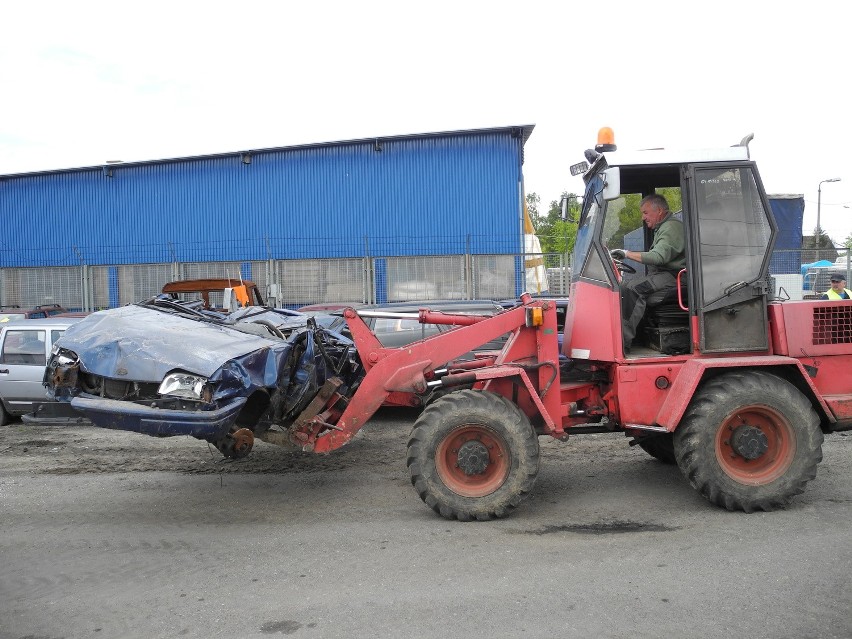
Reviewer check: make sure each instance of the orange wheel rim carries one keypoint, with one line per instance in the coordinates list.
(473, 461)
(755, 445)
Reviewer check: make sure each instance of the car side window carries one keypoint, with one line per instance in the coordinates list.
(55, 335)
(561, 313)
(24, 347)
(393, 325)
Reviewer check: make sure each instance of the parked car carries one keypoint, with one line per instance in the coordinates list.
(17, 313)
(396, 324)
(327, 307)
(561, 312)
(24, 348)
(561, 307)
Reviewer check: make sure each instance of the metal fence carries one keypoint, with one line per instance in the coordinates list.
(806, 273)
(797, 274)
(287, 283)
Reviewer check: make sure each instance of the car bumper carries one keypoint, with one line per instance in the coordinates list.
(159, 422)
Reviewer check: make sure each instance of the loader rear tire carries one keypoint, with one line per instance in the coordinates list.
(660, 447)
(749, 441)
(472, 455)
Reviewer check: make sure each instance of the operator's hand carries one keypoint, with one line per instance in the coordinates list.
(618, 254)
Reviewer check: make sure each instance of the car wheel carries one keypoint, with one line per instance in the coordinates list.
(5, 418)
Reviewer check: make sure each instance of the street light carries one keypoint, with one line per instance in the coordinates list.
(819, 202)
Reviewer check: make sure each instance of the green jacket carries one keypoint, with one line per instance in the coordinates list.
(667, 249)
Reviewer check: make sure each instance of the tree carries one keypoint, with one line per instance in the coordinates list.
(555, 234)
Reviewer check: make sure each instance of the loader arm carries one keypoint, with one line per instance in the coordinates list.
(405, 369)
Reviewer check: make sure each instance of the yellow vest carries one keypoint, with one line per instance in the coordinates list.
(836, 296)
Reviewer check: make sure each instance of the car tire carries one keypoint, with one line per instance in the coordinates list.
(5, 418)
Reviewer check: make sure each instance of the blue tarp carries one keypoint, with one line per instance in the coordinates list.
(788, 211)
(806, 283)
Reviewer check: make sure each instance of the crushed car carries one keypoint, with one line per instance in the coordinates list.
(165, 367)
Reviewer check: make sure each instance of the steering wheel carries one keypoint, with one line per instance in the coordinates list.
(620, 265)
(623, 267)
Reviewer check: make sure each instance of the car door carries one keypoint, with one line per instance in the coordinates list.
(23, 356)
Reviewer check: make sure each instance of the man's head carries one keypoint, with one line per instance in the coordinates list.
(654, 208)
(838, 282)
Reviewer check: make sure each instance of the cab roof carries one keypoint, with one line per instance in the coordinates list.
(675, 156)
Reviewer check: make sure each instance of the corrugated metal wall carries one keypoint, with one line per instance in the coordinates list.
(411, 195)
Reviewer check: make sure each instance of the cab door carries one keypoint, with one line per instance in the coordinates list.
(732, 240)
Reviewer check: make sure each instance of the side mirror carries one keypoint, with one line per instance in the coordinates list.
(612, 183)
(565, 205)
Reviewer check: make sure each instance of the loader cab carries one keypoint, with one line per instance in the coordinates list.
(729, 233)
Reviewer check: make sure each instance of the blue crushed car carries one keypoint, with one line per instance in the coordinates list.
(165, 367)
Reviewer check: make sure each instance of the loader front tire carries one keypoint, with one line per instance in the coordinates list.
(472, 455)
(749, 441)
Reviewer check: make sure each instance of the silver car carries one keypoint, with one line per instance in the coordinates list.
(24, 348)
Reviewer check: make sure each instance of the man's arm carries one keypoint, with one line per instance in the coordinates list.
(668, 244)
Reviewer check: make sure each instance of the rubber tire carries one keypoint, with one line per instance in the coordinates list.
(660, 447)
(695, 440)
(442, 392)
(5, 418)
(479, 409)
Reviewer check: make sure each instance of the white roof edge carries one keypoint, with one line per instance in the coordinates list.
(676, 156)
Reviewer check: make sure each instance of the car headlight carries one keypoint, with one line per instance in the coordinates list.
(182, 385)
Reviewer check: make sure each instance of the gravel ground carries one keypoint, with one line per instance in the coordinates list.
(113, 534)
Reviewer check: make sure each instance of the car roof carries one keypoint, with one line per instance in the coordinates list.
(43, 322)
(514, 301)
(324, 307)
(435, 305)
(206, 284)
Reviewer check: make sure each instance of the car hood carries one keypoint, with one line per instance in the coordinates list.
(143, 344)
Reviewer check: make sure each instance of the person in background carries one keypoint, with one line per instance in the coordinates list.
(838, 290)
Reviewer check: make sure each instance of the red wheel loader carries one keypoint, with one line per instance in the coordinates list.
(735, 387)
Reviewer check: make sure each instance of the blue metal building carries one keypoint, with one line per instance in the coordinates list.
(439, 193)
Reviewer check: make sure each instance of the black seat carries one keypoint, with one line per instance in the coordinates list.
(666, 323)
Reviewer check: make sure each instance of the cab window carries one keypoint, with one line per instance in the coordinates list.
(734, 229)
(623, 226)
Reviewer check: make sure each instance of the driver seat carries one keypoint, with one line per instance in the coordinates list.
(666, 323)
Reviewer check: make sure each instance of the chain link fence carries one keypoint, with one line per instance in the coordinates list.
(289, 283)
(802, 274)
(797, 274)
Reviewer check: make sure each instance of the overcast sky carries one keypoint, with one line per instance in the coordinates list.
(85, 82)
